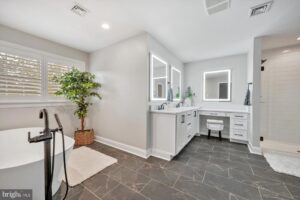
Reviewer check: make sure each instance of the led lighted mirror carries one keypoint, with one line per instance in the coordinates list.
(176, 83)
(217, 85)
(159, 78)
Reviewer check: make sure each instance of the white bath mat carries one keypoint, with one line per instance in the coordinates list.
(85, 162)
(284, 163)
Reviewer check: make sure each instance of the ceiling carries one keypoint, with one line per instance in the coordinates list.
(181, 25)
(278, 41)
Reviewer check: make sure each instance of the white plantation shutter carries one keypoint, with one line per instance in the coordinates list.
(55, 70)
(19, 75)
(26, 75)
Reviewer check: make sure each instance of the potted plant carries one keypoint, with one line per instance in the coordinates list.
(79, 87)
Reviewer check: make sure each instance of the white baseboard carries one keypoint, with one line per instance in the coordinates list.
(161, 154)
(124, 147)
(254, 150)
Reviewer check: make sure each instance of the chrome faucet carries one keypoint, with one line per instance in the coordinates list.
(162, 106)
(178, 105)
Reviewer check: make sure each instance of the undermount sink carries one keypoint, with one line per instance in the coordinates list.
(175, 110)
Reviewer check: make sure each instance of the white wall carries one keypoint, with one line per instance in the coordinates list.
(18, 37)
(122, 69)
(27, 115)
(280, 95)
(238, 65)
(254, 75)
(11, 118)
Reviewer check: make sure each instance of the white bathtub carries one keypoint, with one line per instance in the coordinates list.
(22, 164)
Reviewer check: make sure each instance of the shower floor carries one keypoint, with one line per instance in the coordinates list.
(271, 145)
(204, 170)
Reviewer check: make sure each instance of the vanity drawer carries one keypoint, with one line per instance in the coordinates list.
(238, 134)
(211, 113)
(239, 124)
(240, 116)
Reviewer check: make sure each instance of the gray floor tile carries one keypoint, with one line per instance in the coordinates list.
(209, 167)
(181, 158)
(278, 188)
(204, 170)
(267, 195)
(75, 193)
(109, 170)
(232, 186)
(132, 163)
(135, 181)
(294, 190)
(269, 173)
(121, 192)
(200, 190)
(162, 175)
(227, 164)
(185, 170)
(217, 154)
(157, 191)
(85, 195)
(199, 155)
(100, 184)
(249, 178)
(236, 197)
(156, 161)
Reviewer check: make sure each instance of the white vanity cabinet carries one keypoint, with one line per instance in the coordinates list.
(238, 131)
(171, 131)
(239, 127)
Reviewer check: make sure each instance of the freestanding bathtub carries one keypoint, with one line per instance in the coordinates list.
(22, 163)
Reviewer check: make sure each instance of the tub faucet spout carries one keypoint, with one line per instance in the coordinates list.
(44, 114)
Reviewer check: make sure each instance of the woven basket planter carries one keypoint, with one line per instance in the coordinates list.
(84, 137)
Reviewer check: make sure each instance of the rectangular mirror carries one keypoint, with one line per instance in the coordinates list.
(217, 85)
(176, 83)
(159, 78)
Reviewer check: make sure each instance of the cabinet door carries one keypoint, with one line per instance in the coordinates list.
(195, 122)
(180, 132)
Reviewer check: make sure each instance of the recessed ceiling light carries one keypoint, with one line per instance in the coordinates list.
(298, 38)
(286, 51)
(105, 26)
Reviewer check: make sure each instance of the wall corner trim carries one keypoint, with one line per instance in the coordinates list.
(254, 149)
(124, 147)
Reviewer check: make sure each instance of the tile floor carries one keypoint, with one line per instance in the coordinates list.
(204, 170)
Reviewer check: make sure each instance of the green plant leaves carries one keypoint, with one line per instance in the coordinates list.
(78, 87)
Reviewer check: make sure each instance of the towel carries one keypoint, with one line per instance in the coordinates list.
(170, 94)
(247, 98)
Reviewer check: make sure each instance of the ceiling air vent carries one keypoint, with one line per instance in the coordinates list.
(260, 9)
(79, 10)
(214, 6)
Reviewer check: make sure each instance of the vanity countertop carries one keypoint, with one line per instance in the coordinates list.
(176, 110)
(224, 110)
(185, 109)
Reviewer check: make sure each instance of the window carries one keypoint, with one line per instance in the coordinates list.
(26, 75)
(54, 69)
(19, 75)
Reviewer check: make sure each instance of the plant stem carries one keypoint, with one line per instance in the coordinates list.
(82, 123)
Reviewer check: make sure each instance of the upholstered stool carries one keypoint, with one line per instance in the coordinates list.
(215, 125)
